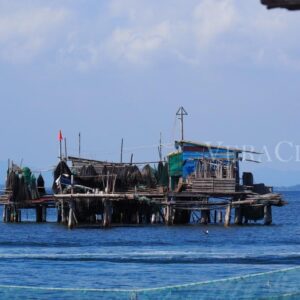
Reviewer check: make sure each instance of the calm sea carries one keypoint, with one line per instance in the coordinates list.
(50, 256)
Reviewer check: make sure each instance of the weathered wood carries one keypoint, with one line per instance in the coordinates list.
(238, 219)
(227, 216)
(267, 214)
(107, 213)
(169, 214)
(220, 217)
(38, 215)
(5, 213)
(205, 216)
(19, 216)
(70, 219)
(58, 212)
(44, 213)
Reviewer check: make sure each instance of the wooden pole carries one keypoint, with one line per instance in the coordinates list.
(267, 214)
(107, 213)
(38, 210)
(238, 219)
(79, 144)
(215, 216)
(63, 213)
(220, 217)
(44, 213)
(227, 216)
(71, 215)
(58, 210)
(121, 158)
(5, 213)
(204, 216)
(66, 153)
(19, 215)
(70, 221)
(169, 214)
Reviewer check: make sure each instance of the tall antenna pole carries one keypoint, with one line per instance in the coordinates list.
(79, 144)
(121, 158)
(181, 113)
(160, 148)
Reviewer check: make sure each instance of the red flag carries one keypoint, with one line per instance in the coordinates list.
(60, 137)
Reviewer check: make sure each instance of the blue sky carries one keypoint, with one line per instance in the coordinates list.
(121, 68)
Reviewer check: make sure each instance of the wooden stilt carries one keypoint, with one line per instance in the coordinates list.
(71, 216)
(267, 214)
(227, 216)
(153, 217)
(215, 216)
(44, 213)
(63, 213)
(238, 216)
(5, 213)
(220, 216)
(58, 211)
(204, 216)
(169, 214)
(39, 217)
(8, 214)
(19, 215)
(107, 213)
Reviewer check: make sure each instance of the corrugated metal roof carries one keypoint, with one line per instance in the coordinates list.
(201, 144)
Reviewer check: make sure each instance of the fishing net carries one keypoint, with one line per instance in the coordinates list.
(280, 284)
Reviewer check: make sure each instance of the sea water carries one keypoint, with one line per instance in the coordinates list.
(152, 262)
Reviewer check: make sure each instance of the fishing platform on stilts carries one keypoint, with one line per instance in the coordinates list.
(198, 183)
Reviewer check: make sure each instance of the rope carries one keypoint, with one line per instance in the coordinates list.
(156, 289)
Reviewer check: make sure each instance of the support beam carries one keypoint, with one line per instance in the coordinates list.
(19, 216)
(267, 214)
(238, 218)
(169, 214)
(220, 216)
(107, 206)
(44, 213)
(205, 216)
(58, 211)
(227, 216)
(4, 213)
(63, 213)
(71, 219)
(38, 215)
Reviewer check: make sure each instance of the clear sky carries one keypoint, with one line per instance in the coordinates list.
(121, 68)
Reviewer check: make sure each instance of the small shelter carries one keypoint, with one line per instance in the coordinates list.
(204, 167)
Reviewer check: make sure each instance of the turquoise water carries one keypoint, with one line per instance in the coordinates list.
(49, 261)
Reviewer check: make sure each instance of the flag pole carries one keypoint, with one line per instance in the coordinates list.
(60, 146)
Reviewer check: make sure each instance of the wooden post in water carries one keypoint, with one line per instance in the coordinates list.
(44, 213)
(220, 217)
(8, 214)
(267, 214)
(38, 215)
(58, 211)
(19, 215)
(238, 218)
(63, 213)
(227, 216)
(204, 216)
(107, 213)
(5, 213)
(169, 214)
(71, 216)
